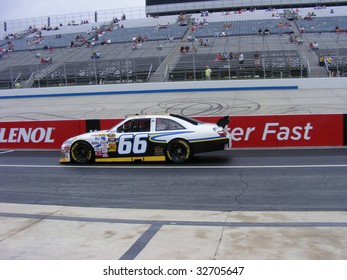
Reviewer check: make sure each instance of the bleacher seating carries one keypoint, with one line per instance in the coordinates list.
(67, 29)
(321, 11)
(148, 21)
(120, 57)
(235, 16)
(109, 71)
(153, 33)
(242, 28)
(3, 43)
(323, 24)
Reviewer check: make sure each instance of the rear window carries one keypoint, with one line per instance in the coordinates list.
(187, 119)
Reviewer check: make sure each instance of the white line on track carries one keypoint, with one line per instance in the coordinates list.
(6, 152)
(176, 167)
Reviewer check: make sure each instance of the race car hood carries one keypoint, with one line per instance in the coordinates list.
(93, 134)
(88, 135)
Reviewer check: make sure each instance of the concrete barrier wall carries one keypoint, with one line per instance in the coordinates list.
(275, 131)
(229, 85)
(247, 131)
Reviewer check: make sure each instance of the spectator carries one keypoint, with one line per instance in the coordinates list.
(329, 60)
(10, 47)
(46, 60)
(321, 60)
(218, 57)
(207, 43)
(95, 54)
(241, 61)
(225, 56)
(315, 46)
(208, 73)
(310, 46)
(257, 59)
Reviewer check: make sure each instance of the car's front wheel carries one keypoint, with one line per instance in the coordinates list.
(82, 152)
(178, 151)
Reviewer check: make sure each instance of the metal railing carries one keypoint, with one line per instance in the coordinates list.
(227, 70)
(16, 80)
(30, 80)
(96, 72)
(126, 71)
(149, 72)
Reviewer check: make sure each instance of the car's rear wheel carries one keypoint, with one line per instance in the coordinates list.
(82, 152)
(178, 151)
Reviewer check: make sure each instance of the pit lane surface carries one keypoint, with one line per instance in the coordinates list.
(222, 205)
(221, 181)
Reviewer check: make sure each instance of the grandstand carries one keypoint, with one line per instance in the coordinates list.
(178, 47)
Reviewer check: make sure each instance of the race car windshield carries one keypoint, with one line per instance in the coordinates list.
(187, 119)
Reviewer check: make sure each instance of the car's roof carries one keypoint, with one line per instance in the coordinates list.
(176, 116)
(147, 116)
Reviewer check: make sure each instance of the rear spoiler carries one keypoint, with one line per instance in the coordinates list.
(223, 122)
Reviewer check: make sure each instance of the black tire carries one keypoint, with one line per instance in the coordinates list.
(82, 152)
(178, 151)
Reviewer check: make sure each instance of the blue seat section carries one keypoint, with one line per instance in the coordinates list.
(323, 24)
(2, 43)
(125, 35)
(51, 41)
(243, 28)
(119, 35)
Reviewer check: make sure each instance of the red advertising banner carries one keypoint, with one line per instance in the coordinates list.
(109, 123)
(38, 134)
(287, 131)
(246, 131)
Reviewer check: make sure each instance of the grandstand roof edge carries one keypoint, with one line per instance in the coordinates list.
(68, 14)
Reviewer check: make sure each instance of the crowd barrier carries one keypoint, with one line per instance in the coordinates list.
(275, 131)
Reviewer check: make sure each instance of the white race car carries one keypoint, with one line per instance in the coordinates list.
(148, 138)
